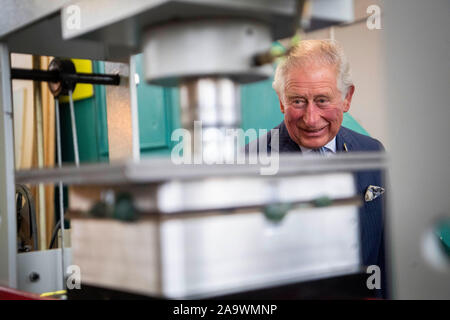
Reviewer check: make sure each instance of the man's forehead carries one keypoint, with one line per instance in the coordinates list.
(312, 73)
(314, 77)
(293, 86)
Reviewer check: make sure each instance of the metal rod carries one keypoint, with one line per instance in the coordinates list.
(74, 130)
(92, 78)
(157, 170)
(60, 188)
(36, 75)
(55, 76)
(269, 57)
(37, 97)
(134, 110)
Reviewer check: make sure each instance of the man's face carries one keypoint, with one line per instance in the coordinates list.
(313, 106)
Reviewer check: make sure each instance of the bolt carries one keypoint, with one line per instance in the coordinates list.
(34, 277)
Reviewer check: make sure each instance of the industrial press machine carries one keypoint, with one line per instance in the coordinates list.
(157, 228)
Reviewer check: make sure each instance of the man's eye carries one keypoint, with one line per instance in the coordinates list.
(322, 101)
(298, 101)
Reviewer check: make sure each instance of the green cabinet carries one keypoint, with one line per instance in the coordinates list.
(158, 110)
(158, 117)
(91, 123)
(260, 106)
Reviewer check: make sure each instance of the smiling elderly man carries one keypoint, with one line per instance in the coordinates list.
(315, 88)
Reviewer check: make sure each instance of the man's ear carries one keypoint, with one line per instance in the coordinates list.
(348, 98)
(281, 106)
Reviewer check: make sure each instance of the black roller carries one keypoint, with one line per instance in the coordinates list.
(62, 86)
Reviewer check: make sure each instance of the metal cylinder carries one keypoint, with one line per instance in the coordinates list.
(205, 48)
(211, 113)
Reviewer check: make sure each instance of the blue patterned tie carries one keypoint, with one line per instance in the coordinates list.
(320, 151)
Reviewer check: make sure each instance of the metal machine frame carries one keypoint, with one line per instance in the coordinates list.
(408, 177)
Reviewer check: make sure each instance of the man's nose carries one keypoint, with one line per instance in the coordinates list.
(311, 115)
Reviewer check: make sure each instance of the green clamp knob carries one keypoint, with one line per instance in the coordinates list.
(124, 209)
(100, 210)
(276, 212)
(323, 202)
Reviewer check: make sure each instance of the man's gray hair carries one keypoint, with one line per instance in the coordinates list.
(327, 52)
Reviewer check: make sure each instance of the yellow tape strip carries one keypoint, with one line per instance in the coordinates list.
(47, 294)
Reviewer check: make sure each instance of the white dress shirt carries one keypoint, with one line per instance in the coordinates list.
(329, 148)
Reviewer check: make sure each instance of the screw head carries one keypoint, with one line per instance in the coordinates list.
(34, 277)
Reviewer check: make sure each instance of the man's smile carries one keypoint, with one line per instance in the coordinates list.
(314, 132)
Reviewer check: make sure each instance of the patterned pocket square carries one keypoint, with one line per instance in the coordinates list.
(373, 192)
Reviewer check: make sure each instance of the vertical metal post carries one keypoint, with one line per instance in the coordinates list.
(8, 224)
(60, 189)
(37, 95)
(134, 110)
(74, 130)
